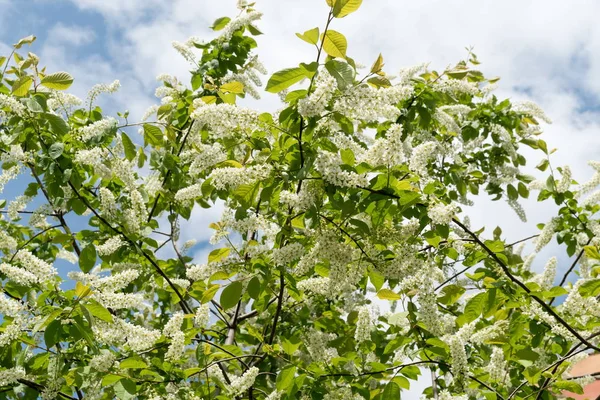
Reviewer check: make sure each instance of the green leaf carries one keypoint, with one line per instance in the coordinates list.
(377, 65)
(209, 294)
(231, 295)
(128, 146)
(592, 252)
(21, 86)
(284, 79)
(391, 392)
(590, 288)
(26, 40)
(110, 379)
(254, 288)
(474, 307)
(133, 363)
(220, 23)
(387, 294)
(290, 345)
(310, 36)
(233, 87)
(335, 44)
(379, 82)
(57, 124)
(451, 294)
(153, 135)
(56, 149)
(125, 389)
(285, 378)
(87, 259)
(98, 311)
(342, 72)
(218, 254)
(568, 385)
(52, 333)
(57, 81)
(341, 8)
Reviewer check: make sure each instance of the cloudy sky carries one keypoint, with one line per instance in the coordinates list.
(547, 51)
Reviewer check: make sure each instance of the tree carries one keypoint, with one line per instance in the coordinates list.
(359, 185)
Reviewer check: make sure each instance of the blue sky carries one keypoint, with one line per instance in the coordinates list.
(546, 51)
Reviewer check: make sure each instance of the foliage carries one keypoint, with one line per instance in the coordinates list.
(359, 185)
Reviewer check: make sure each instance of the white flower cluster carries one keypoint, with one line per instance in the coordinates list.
(202, 315)
(518, 209)
(189, 193)
(67, 255)
(110, 246)
(7, 242)
(420, 157)
(96, 90)
(231, 177)
(12, 104)
(12, 331)
(446, 121)
(108, 204)
(38, 267)
(11, 375)
(363, 325)
(120, 332)
(315, 104)
(224, 120)
(303, 200)
(287, 254)
(446, 395)
(328, 164)
(206, 156)
(10, 307)
(136, 215)
(593, 182)
(97, 129)
(370, 104)
(237, 23)
(497, 365)
(565, 181)
(440, 213)
(546, 279)
(316, 343)
(59, 99)
(388, 151)
(456, 86)
(103, 361)
(490, 332)
(242, 383)
(200, 272)
(545, 235)
(406, 74)
(17, 205)
(8, 175)
(529, 107)
(94, 157)
(459, 361)
(186, 51)
(321, 286)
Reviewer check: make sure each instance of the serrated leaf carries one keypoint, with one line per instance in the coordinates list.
(285, 378)
(377, 65)
(209, 294)
(387, 294)
(341, 8)
(57, 125)
(590, 288)
(342, 72)
(128, 146)
(310, 36)
(87, 259)
(58, 81)
(391, 392)
(133, 363)
(335, 44)
(21, 86)
(218, 254)
(56, 150)
(153, 135)
(474, 307)
(26, 40)
(233, 87)
(98, 310)
(231, 295)
(284, 79)
(379, 82)
(220, 23)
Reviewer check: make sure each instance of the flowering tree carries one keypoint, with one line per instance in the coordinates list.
(352, 197)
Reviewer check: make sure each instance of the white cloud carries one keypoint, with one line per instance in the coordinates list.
(70, 35)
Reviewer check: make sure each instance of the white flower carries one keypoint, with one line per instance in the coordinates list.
(440, 213)
(235, 24)
(103, 361)
(12, 104)
(102, 88)
(545, 235)
(315, 104)
(242, 383)
(497, 366)
(529, 107)
(97, 128)
(67, 255)
(420, 157)
(363, 325)
(202, 315)
(110, 246)
(12, 375)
